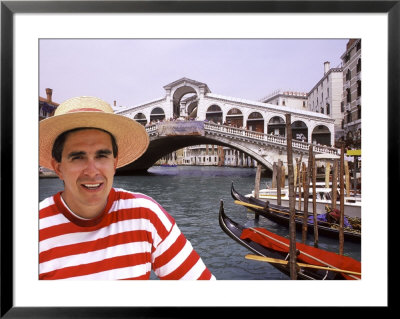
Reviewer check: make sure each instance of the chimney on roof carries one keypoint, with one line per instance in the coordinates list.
(327, 66)
(49, 93)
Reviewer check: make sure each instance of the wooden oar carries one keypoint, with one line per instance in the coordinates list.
(247, 204)
(238, 202)
(285, 262)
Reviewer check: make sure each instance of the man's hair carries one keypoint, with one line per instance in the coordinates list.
(58, 145)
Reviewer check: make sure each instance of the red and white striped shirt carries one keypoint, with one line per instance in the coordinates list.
(132, 236)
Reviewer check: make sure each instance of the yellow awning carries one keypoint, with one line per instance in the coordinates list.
(354, 152)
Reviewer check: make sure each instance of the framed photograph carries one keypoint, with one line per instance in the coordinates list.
(24, 23)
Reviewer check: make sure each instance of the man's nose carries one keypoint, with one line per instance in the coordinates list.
(91, 167)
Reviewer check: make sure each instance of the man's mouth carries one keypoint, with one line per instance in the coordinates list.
(92, 186)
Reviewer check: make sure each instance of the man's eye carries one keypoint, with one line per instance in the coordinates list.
(77, 157)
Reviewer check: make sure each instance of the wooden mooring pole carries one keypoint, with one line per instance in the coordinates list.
(306, 195)
(314, 181)
(274, 171)
(327, 173)
(257, 181)
(295, 177)
(334, 183)
(300, 172)
(283, 175)
(346, 171)
(278, 182)
(292, 224)
(341, 235)
(257, 186)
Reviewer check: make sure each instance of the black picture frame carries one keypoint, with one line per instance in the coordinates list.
(9, 8)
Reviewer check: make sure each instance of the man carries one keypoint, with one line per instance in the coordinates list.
(91, 230)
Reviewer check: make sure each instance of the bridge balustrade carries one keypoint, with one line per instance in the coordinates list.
(268, 138)
(152, 129)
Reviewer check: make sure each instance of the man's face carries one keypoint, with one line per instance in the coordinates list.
(87, 168)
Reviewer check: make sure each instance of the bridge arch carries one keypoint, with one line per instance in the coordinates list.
(214, 113)
(276, 126)
(234, 117)
(157, 114)
(191, 106)
(178, 94)
(159, 148)
(236, 145)
(255, 122)
(141, 118)
(170, 136)
(321, 135)
(299, 131)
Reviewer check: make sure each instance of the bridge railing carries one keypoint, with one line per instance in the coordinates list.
(269, 138)
(152, 129)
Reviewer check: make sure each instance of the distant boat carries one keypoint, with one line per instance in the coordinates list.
(168, 165)
(352, 204)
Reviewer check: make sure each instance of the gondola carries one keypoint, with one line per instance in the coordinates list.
(280, 215)
(236, 232)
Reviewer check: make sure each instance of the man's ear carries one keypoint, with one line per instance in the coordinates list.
(56, 168)
(115, 163)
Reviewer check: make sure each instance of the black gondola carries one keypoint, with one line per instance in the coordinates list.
(280, 215)
(234, 230)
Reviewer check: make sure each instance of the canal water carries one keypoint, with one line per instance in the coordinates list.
(192, 195)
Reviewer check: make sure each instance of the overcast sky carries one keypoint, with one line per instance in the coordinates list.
(134, 71)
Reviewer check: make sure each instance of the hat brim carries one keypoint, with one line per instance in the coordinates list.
(131, 137)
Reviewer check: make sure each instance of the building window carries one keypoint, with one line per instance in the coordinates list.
(328, 109)
(348, 75)
(359, 66)
(358, 88)
(348, 94)
(342, 107)
(359, 112)
(348, 117)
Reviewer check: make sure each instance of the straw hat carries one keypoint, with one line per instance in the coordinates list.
(87, 111)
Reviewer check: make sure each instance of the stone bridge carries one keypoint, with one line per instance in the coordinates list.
(169, 136)
(185, 117)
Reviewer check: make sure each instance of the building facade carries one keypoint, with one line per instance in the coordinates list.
(213, 155)
(326, 97)
(351, 103)
(46, 105)
(297, 100)
(204, 155)
(337, 94)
